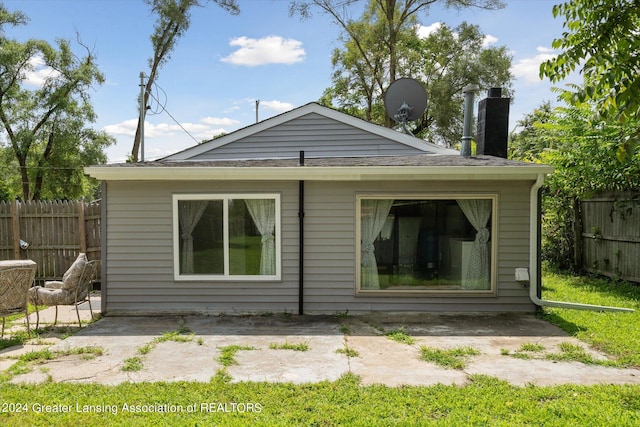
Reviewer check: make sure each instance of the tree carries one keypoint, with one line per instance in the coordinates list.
(445, 61)
(172, 22)
(396, 13)
(601, 39)
(44, 127)
(448, 60)
(359, 80)
(528, 143)
(581, 146)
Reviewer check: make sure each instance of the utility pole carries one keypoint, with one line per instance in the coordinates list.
(143, 111)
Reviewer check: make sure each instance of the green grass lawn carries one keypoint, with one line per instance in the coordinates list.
(244, 257)
(484, 401)
(617, 334)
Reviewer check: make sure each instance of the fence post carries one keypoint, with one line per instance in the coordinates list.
(577, 235)
(81, 228)
(15, 225)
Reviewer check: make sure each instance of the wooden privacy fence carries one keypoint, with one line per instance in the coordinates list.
(55, 231)
(610, 236)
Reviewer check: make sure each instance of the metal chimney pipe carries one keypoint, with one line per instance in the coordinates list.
(469, 92)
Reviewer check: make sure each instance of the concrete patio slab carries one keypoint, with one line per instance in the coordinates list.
(337, 345)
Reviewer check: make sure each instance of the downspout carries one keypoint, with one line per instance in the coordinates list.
(535, 287)
(301, 241)
(103, 247)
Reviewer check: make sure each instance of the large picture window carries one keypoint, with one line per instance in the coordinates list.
(426, 244)
(231, 237)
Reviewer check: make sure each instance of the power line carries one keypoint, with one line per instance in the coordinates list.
(160, 106)
(164, 109)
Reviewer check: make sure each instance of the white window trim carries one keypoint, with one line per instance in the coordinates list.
(225, 197)
(492, 292)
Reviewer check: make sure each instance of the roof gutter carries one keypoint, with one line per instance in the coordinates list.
(534, 261)
(314, 173)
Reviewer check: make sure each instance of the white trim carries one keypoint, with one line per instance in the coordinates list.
(317, 173)
(226, 277)
(492, 292)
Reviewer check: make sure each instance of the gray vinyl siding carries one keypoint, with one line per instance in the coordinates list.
(139, 251)
(318, 136)
(140, 254)
(330, 249)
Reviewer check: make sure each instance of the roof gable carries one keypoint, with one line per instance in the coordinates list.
(315, 129)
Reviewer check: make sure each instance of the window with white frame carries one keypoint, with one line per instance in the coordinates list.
(439, 244)
(226, 236)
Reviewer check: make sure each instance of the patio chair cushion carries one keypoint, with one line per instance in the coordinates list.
(72, 275)
(43, 296)
(61, 293)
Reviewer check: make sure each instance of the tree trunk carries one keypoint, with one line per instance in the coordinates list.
(167, 36)
(37, 190)
(26, 192)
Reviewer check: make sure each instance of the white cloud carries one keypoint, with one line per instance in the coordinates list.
(425, 31)
(528, 69)
(267, 50)
(219, 121)
(489, 40)
(207, 128)
(128, 127)
(39, 72)
(277, 106)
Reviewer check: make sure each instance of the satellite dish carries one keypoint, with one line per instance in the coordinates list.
(405, 101)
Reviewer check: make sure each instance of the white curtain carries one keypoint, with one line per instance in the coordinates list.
(478, 212)
(189, 213)
(263, 213)
(373, 215)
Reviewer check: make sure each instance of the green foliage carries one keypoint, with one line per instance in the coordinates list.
(27, 360)
(383, 45)
(617, 334)
(47, 141)
(15, 339)
(181, 335)
(228, 354)
(601, 39)
(483, 401)
(399, 335)
(447, 60)
(583, 149)
(525, 351)
(453, 358)
(173, 18)
(301, 346)
(531, 347)
(348, 351)
(572, 352)
(132, 364)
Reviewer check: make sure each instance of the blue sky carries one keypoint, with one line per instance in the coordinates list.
(225, 63)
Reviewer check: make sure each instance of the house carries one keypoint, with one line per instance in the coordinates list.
(314, 211)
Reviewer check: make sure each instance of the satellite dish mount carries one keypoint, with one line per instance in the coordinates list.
(405, 101)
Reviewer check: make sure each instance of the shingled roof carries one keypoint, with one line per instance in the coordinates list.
(426, 160)
(409, 158)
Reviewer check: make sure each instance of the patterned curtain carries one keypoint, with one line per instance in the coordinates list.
(478, 212)
(373, 216)
(263, 213)
(189, 213)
